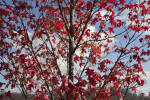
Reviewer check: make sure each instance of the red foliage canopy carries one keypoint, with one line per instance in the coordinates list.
(79, 49)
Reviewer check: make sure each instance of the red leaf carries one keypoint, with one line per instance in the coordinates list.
(65, 32)
(30, 86)
(118, 93)
(89, 4)
(54, 80)
(141, 39)
(22, 58)
(59, 25)
(135, 57)
(148, 2)
(136, 48)
(125, 36)
(44, 26)
(102, 4)
(81, 64)
(111, 30)
(76, 58)
(45, 97)
(77, 95)
(15, 17)
(95, 20)
(76, 77)
(1, 84)
(122, 2)
(128, 79)
(24, 14)
(87, 32)
(134, 89)
(10, 7)
(142, 94)
(54, 41)
(8, 94)
(128, 71)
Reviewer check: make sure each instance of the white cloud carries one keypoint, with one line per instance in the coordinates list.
(139, 1)
(15, 90)
(92, 28)
(30, 34)
(147, 77)
(103, 12)
(146, 88)
(62, 65)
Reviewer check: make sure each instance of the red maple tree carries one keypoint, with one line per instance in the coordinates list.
(73, 49)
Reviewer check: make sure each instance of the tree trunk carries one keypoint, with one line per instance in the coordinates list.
(71, 42)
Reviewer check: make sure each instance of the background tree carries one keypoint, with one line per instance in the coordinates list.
(129, 96)
(60, 49)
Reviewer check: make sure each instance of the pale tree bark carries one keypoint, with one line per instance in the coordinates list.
(71, 41)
